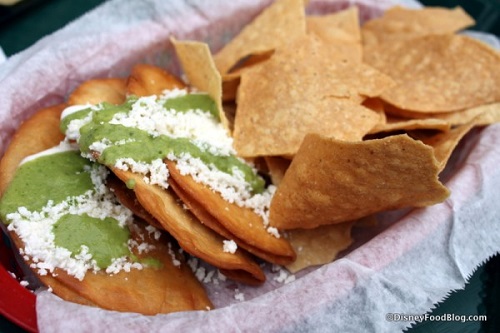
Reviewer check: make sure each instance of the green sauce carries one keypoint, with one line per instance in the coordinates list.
(56, 177)
(141, 146)
(151, 262)
(104, 238)
(81, 114)
(193, 102)
(51, 177)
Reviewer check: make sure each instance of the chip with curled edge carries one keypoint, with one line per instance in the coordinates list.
(282, 20)
(438, 73)
(405, 23)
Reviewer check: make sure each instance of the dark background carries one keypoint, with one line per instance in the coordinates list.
(23, 24)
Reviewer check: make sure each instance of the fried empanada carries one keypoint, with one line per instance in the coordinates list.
(160, 288)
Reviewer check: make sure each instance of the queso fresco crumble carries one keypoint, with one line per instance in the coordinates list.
(130, 137)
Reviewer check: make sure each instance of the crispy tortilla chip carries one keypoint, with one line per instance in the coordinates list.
(277, 167)
(340, 30)
(444, 143)
(194, 237)
(231, 80)
(201, 72)
(438, 73)
(244, 223)
(376, 104)
(278, 105)
(332, 181)
(111, 90)
(481, 115)
(278, 23)
(173, 288)
(405, 23)
(398, 124)
(343, 25)
(320, 245)
(146, 80)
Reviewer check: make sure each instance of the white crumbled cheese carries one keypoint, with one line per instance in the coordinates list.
(273, 231)
(149, 114)
(73, 130)
(156, 172)
(24, 283)
(173, 93)
(35, 229)
(200, 273)
(233, 188)
(239, 296)
(122, 264)
(283, 275)
(205, 274)
(142, 247)
(209, 276)
(155, 233)
(193, 264)
(171, 252)
(229, 246)
(202, 129)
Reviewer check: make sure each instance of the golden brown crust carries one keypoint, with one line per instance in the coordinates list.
(194, 237)
(111, 90)
(244, 223)
(147, 291)
(145, 80)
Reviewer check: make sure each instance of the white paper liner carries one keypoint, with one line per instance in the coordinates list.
(406, 268)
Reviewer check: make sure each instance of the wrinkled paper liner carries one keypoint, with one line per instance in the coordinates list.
(402, 267)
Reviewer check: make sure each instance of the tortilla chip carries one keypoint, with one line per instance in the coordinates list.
(146, 80)
(244, 223)
(343, 25)
(320, 245)
(376, 104)
(275, 25)
(231, 80)
(340, 30)
(277, 167)
(198, 65)
(481, 115)
(94, 91)
(278, 105)
(438, 73)
(400, 124)
(332, 181)
(443, 143)
(405, 23)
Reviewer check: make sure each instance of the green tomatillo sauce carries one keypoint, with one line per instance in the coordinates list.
(49, 180)
(142, 146)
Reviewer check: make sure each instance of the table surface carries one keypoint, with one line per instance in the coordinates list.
(24, 24)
